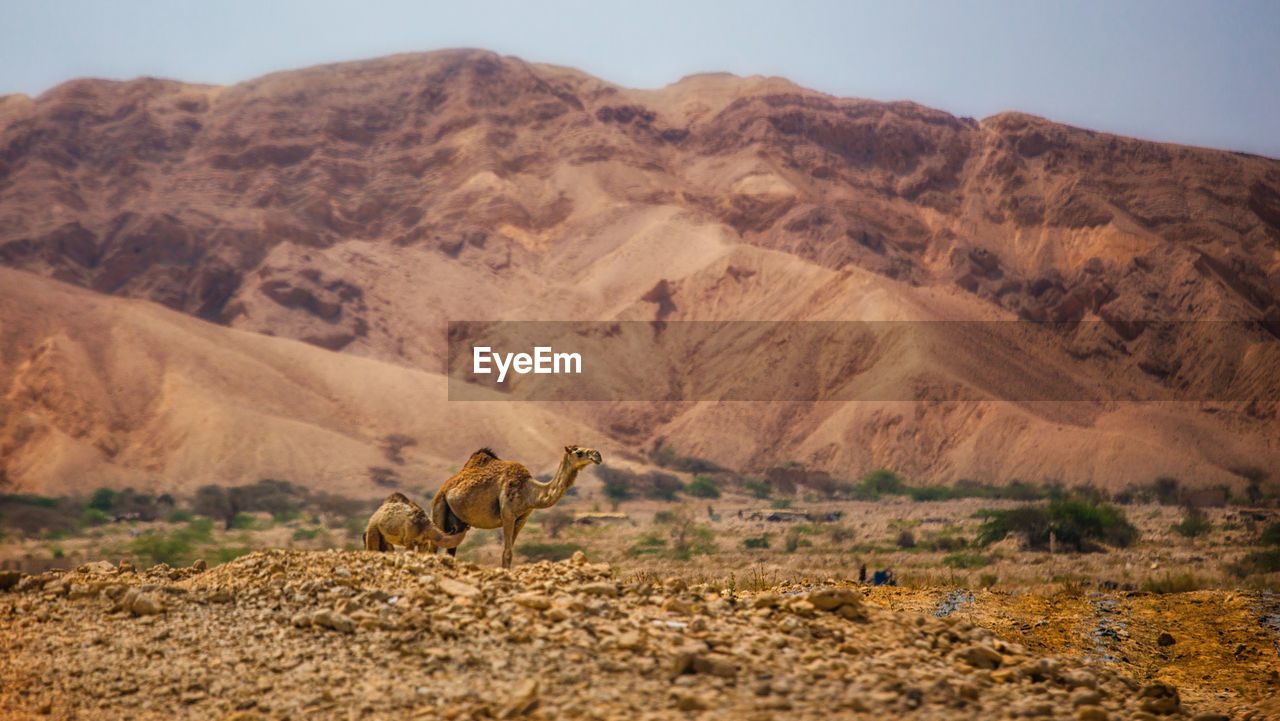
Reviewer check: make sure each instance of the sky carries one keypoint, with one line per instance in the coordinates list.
(1200, 73)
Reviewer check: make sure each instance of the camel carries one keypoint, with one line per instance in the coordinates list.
(402, 522)
(492, 493)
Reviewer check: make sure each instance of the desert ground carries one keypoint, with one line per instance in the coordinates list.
(656, 610)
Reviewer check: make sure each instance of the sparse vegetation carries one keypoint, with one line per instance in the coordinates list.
(1194, 523)
(556, 520)
(702, 486)
(906, 539)
(1073, 524)
(1174, 583)
(547, 551)
(965, 560)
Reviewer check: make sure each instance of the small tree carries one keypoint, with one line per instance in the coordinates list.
(702, 487)
(883, 482)
(1167, 491)
(102, 499)
(215, 502)
(906, 539)
(662, 486)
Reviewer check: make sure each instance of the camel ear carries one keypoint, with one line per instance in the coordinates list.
(568, 449)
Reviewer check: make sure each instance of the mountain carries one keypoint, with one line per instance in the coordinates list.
(351, 210)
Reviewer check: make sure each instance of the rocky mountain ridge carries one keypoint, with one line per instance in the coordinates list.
(358, 207)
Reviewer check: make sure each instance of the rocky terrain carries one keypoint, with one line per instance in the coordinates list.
(355, 208)
(285, 634)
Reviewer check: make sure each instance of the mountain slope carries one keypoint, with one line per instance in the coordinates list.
(360, 206)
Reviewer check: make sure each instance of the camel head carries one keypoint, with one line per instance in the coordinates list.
(581, 457)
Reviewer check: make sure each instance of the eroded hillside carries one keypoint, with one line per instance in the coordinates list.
(358, 207)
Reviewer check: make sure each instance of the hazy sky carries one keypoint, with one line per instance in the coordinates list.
(1204, 73)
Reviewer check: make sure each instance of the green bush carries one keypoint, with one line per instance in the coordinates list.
(965, 560)
(1257, 562)
(759, 489)
(547, 551)
(180, 516)
(28, 499)
(305, 534)
(933, 493)
(1075, 524)
(882, 482)
(661, 486)
(761, 541)
(702, 487)
(101, 499)
(651, 540)
(174, 550)
(94, 517)
(1193, 524)
(243, 521)
(1170, 583)
(1270, 535)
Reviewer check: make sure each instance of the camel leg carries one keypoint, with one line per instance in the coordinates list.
(440, 515)
(373, 539)
(508, 537)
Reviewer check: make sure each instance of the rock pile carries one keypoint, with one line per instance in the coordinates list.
(289, 634)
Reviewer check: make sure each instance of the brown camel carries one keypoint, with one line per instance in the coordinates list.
(492, 493)
(402, 522)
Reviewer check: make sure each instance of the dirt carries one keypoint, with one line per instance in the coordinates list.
(333, 634)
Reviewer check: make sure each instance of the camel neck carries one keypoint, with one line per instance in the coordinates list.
(548, 494)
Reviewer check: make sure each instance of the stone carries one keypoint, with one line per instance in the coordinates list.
(1092, 713)
(141, 604)
(222, 595)
(632, 641)
(536, 601)
(82, 590)
(677, 605)
(578, 559)
(302, 619)
(715, 664)
(675, 584)
(458, 589)
(598, 589)
(1159, 698)
(97, 568)
(980, 656)
(9, 579)
(334, 620)
(1085, 697)
(801, 607)
(830, 599)
(686, 701)
(522, 701)
(1165, 639)
(766, 599)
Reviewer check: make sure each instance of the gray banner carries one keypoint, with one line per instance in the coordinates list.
(861, 360)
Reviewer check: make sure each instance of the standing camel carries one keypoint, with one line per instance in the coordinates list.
(492, 493)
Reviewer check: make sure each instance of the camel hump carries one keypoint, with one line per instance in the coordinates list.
(484, 455)
(398, 497)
